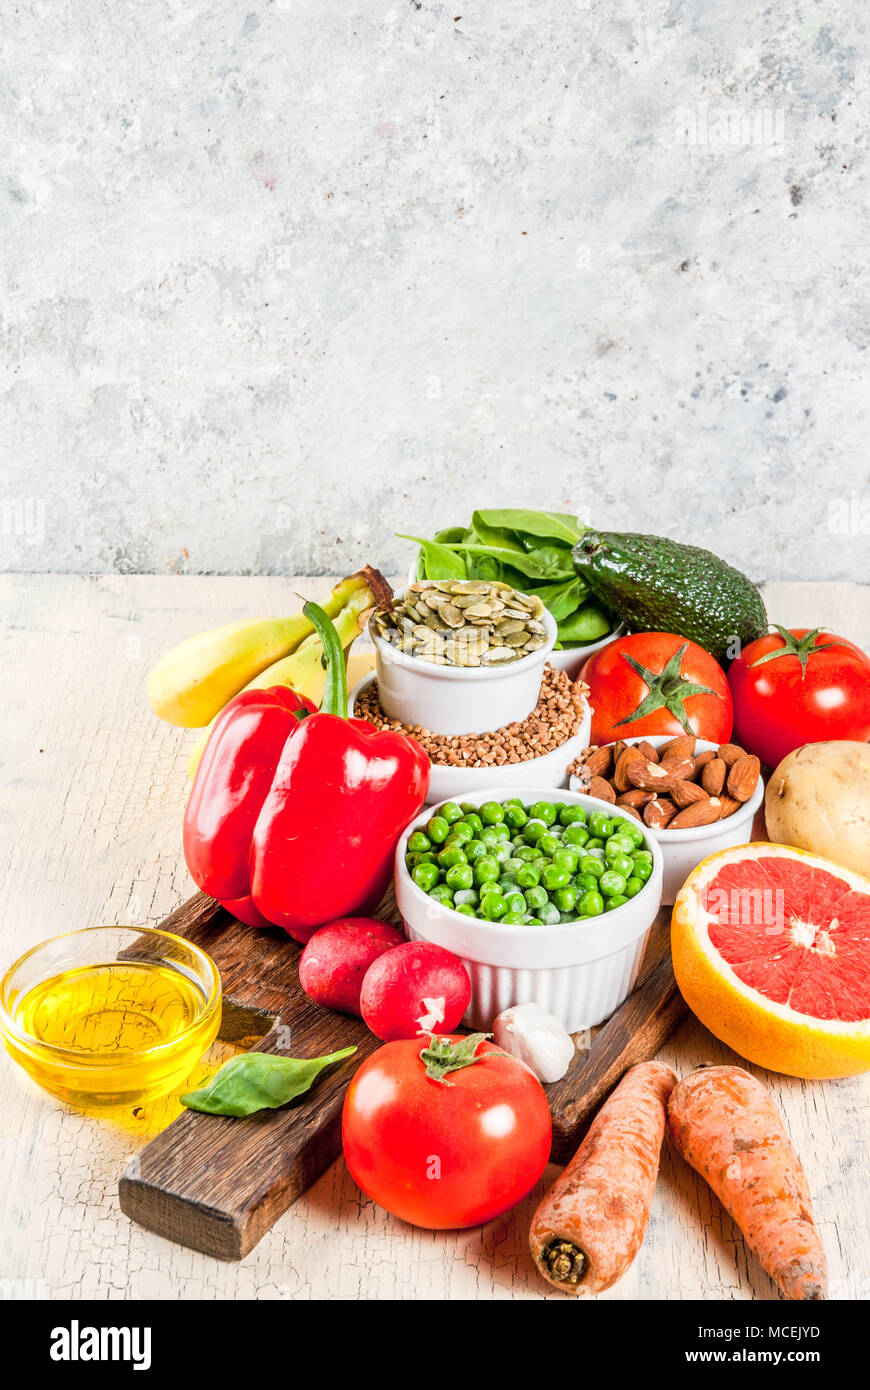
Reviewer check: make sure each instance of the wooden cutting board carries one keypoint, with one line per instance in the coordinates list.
(217, 1184)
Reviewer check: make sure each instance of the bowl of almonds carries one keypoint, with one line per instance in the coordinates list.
(461, 656)
(695, 797)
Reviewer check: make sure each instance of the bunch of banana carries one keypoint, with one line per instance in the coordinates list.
(190, 685)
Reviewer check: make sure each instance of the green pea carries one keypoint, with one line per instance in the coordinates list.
(419, 843)
(569, 857)
(515, 902)
(515, 817)
(473, 819)
(448, 857)
(591, 904)
(507, 883)
(468, 808)
(633, 886)
(502, 833)
(590, 865)
(488, 835)
(486, 870)
(411, 860)
(462, 832)
(618, 844)
(622, 864)
(450, 812)
(527, 853)
(491, 813)
(533, 831)
(501, 852)
(493, 907)
(425, 876)
(513, 863)
(460, 876)
(466, 897)
(513, 919)
(438, 829)
(565, 899)
(593, 843)
(548, 844)
(636, 835)
(571, 814)
(599, 824)
(535, 898)
(528, 876)
(442, 894)
(611, 884)
(576, 834)
(543, 810)
(642, 869)
(550, 914)
(555, 876)
(466, 909)
(534, 922)
(583, 883)
(474, 849)
(616, 901)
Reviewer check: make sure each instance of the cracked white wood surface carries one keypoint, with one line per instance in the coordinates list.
(93, 789)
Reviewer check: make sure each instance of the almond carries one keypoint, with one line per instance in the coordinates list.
(678, 768)
(634, 798)
(603, 790)
(650, 753)
(598, 761)
(702, 759)
(683, 746)
(650, 777)
(743, 777)
(630, 755)
(631, 811)
(730, 752)
(619, 748)
(713, 776)
(727, 806)
(687, 793)
(658, 812)
(701, 813)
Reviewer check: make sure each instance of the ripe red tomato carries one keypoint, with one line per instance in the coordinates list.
(449, 1153)
(657, 683)
(803, 686)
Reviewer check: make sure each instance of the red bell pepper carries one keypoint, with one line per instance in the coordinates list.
(294, 815)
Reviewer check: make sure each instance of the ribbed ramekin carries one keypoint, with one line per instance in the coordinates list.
(579, 971)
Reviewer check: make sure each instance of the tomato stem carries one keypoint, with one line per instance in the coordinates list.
(441, 1055)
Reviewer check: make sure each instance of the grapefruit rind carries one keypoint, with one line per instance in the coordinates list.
(758, 1028)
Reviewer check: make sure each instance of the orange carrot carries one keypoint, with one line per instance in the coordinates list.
(589, 1227)
(726, 1126)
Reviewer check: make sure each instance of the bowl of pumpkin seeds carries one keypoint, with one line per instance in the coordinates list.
(461, 656)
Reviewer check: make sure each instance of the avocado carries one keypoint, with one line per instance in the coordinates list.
(659, 585)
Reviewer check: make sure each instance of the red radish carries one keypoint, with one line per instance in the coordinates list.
(335, 960)
(415, 988)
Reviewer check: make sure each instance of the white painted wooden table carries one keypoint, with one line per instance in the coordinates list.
(93, 789)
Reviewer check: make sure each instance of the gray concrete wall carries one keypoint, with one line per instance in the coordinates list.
(283, 280)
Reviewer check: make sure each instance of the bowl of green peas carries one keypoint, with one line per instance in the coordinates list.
(545, 897)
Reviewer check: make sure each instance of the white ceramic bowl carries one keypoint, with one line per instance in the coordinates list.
(569, 660)
(683, 850)
(455, 783)
(459, 699)
(579, 971)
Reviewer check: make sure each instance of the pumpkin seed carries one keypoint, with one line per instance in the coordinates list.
(463, 622)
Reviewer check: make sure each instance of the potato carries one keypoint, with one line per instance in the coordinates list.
(819, 799)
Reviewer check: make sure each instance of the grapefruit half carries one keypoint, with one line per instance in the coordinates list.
(771, 951)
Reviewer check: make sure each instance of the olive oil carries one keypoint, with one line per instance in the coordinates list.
(102, 1035)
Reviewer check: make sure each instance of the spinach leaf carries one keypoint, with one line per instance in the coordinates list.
(486, 534)
(439, 561)
(259, 1081)
(586, 625)
(551, 562)
(563, 599)
(554, 526)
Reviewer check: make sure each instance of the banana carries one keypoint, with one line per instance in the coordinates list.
(303, 670)
(190, 685)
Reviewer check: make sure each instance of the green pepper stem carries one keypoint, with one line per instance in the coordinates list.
(335, 691)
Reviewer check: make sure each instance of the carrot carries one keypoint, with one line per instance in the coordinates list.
(589, 1227)
(726, 1126)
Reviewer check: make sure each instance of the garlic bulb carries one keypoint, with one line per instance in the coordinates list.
(537, 1038)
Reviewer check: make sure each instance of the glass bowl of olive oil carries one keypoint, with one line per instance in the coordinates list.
(110, 1016)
